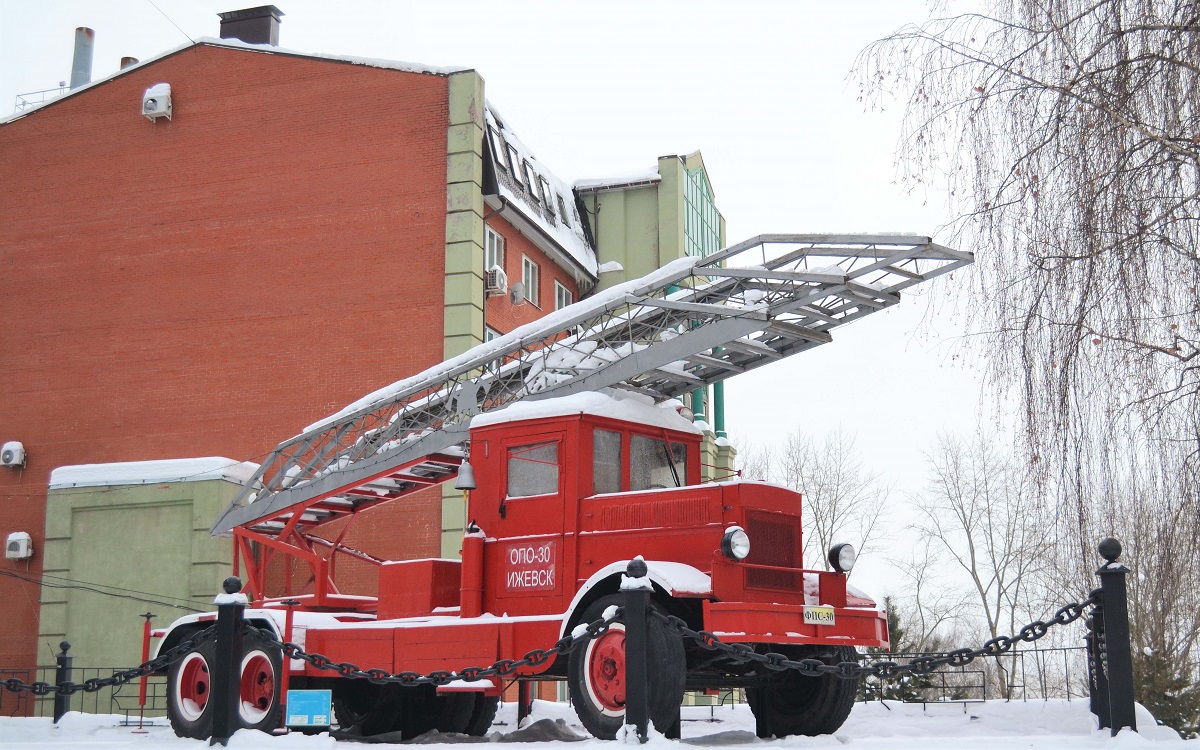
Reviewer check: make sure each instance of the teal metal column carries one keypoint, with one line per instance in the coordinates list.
(719, 403)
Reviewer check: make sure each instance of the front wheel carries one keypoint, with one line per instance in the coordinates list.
(596, 674)
(793, 703)
(260, 682)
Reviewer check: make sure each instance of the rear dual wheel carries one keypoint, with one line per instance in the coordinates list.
(793, 703)
(190, 687)
(411, 711)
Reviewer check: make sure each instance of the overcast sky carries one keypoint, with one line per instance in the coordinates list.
(603, 89)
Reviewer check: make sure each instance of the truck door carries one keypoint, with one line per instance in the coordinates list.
(529, 547)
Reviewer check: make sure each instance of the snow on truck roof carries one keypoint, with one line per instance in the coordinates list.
(628, 407)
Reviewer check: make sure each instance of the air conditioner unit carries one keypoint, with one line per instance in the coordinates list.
(19, 546)
(497, 281)
(12, 455)
(156, 102)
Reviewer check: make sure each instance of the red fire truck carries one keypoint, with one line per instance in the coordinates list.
(580, 459)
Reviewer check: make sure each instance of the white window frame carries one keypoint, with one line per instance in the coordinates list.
(493, 249)
(531, 277)
(562, 295)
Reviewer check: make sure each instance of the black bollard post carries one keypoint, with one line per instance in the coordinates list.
(635, 590)
(1118, 662)
(62, 674)
(1097, 679)
(227, 662)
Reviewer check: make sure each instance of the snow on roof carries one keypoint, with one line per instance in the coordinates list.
(152, 472)
(534, 331)
(407, 67)
(555, 215)
(614, 404)
(648, 177)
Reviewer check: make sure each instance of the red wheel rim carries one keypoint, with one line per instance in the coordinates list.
(192, 686)
(257, 690)
(605, 676)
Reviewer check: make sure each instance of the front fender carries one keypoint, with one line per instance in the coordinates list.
(676, 579)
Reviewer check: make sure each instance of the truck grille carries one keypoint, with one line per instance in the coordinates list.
(775, 541)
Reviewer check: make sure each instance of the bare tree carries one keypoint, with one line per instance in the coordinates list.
(842, 500)
(980, 511)
(755, 461)
(1067, 135)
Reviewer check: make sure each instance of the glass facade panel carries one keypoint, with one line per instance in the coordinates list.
(702, 220)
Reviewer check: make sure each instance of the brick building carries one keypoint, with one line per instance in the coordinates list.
(301, 230)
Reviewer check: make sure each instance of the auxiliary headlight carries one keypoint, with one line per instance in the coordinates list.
(842, 557)
(735, 544)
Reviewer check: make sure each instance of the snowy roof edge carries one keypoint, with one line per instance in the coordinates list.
(152, 472)
(398, 65)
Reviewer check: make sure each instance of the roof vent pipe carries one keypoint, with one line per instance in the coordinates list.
(81, 64)
(253, 25)
(128, 62)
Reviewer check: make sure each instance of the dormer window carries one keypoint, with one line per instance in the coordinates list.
(531, 179)
(514, 161)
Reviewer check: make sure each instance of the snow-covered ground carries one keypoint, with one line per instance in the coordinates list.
(994, 725)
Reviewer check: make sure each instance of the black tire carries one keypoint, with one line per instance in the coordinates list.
(259, 683)
(797, 704)
(189, 687)
(482, 715)
(188, 690)
(597, 688)
(424, 710)
(374, 709)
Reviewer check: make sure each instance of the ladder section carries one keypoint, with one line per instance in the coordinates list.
(689, 324)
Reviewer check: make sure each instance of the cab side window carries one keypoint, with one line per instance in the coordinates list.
(533, 470)
(606, 461)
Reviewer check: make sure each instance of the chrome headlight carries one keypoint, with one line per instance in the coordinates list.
(842, 557)
(735, 544)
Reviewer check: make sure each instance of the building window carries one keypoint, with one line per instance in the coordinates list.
(562, 296)
(562, 210)
(498, 145)
(531, 178)
(702, 221)
(493, 249)
(490, 333)
(514, 161)
(544, 186)
(530, 277)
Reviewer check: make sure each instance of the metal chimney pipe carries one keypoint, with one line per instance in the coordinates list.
(128, 62)
(81, 64)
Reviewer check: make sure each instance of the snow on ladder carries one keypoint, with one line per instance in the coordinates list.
(691, 323)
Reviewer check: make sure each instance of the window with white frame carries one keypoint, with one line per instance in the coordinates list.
(493, 249)
(490, 333)
(562, 296)
(530, 277)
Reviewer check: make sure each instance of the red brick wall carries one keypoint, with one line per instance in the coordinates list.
(209, 286)
(501, 315)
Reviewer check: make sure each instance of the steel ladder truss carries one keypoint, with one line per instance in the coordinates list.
(691, 323)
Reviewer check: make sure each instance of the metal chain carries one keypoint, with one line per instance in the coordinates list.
(160, 662)
(502, 668)
(743, 653)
